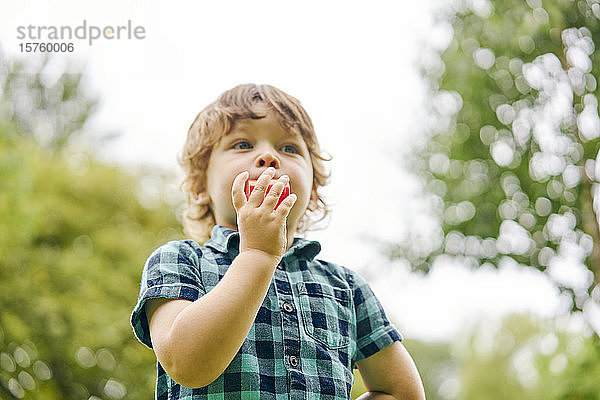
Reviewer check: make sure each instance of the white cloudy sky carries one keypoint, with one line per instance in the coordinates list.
(353, 67)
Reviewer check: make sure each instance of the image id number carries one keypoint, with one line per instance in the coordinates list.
(46, 47)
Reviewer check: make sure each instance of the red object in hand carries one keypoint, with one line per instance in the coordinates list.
(251, 183)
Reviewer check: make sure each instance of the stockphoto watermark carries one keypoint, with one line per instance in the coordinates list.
(44, 38)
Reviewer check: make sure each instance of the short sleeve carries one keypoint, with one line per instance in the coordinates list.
(172, 271)
(373, 330)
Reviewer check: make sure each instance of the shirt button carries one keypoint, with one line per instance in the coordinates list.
(288, 308)
(293, 361)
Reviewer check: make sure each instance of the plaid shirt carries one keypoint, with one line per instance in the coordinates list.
(315, 322)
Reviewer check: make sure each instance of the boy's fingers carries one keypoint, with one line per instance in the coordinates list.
(272, 197)
(237, 190)
(258, 193)
(286, 205)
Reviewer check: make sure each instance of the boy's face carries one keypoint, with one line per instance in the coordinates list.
(253, 145)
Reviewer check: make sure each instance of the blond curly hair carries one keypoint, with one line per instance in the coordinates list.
(216, 121)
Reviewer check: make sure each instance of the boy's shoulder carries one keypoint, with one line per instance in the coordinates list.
(180, 248)
(188, 251)
(349, 275)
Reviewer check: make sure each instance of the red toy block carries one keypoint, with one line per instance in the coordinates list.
(251, 183)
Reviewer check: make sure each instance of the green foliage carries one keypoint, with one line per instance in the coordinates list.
(73, 240)
(524, 357)
(44, 101)
(516, 131)
(74, 235)
(521, 356)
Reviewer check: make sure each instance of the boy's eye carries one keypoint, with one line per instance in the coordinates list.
(289, 148)
(242, 145)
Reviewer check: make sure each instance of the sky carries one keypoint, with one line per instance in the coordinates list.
(353, 67)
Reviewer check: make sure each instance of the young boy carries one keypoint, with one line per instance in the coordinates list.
(252, 314)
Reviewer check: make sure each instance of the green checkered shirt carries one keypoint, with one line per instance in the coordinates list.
(317, 320)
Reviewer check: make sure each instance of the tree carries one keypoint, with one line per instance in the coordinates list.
(51, 108)
(510, 159)
(74, 235)
(524, 357)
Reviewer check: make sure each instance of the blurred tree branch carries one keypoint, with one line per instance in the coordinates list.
(510, 165)
(46, 101)
(74, 234)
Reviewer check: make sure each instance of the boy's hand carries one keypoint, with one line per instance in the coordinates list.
(261, 226)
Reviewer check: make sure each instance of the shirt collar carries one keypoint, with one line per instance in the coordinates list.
(227, 241)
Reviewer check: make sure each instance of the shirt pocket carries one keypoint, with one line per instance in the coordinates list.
(326, 313)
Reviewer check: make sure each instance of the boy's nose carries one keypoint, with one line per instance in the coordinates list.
(268, 160)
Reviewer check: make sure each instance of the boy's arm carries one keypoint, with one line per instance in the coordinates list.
(391, 374)
(196, 341)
